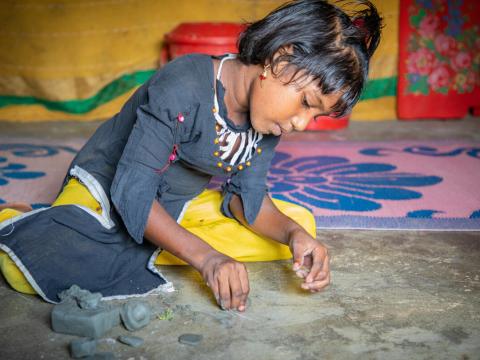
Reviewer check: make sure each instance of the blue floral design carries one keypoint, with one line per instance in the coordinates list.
(334, 183)
(428, 4)
(454, 18)
(423, 214)
(413, 78)
(16, 171)
(31, 150)
(475, 214)
(425, 151)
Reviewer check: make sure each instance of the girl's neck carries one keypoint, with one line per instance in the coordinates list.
(237, 79)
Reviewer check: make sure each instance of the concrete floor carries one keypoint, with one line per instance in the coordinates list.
(394, 294)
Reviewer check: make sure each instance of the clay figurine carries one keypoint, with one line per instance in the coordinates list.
(135, 315)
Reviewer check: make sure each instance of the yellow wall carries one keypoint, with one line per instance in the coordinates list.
(384, 65)
(70, 50)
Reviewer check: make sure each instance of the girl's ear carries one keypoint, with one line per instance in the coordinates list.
(284, 52)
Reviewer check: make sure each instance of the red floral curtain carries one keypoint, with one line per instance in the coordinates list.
(439, 69)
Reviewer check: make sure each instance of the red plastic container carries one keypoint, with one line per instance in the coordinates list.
(204, 38)
(328, 123)
(217, 39)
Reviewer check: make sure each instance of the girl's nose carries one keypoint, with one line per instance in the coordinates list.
(300, 123)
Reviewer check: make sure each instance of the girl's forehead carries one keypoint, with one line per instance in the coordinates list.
(291, 74)
(301, 80)
(306, 83)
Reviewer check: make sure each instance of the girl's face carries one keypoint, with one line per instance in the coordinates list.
(277, 108)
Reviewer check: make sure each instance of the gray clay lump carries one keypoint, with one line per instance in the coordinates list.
(68, 318)
(80, 348)
(190, 339)
(133, 341)
(101, 356)
(84, 298)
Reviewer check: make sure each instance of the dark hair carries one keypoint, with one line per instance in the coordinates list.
(330, 46)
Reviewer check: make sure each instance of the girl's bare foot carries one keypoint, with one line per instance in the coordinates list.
(23, 207)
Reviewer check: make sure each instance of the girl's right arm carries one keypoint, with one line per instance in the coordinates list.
(227, 278)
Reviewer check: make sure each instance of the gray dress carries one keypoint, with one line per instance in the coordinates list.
(163, 145)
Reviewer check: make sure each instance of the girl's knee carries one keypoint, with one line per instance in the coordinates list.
(8, 213)
(300, 214)
(305, 218)
(13, 275)
(8, 268)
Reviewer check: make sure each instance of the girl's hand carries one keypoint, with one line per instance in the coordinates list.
(228, 280)
(310, 260)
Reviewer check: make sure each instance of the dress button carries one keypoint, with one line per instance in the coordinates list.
(220, 164)
(248, 163)
(228, 168)
(240, 167)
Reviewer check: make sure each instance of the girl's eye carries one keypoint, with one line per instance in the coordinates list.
(305, 102)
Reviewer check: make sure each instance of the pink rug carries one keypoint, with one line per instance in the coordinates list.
(430, 185)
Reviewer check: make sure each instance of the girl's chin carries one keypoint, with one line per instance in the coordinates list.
(276, 131)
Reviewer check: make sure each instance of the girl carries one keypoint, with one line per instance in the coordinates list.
(138, 185)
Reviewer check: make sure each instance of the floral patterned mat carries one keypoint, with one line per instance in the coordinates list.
(431, 185)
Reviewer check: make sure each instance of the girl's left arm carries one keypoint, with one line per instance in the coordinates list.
(310, 257)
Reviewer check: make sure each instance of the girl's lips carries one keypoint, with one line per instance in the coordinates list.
(277, 130)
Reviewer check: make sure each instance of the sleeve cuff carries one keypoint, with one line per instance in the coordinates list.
(251, 201)
(132, 195)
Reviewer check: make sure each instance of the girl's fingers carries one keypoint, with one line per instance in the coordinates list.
(213, 285)
(233, 287)
(245, 284)
(302, 273)
(316, 285)
(236, 290)
(315, 261)
(298, 256)
(307, 262)
(326, 265)
(224, 292)
(319, 259)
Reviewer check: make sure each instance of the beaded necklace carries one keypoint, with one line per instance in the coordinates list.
(226, 138)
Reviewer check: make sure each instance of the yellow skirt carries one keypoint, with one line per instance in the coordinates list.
(202, 218)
